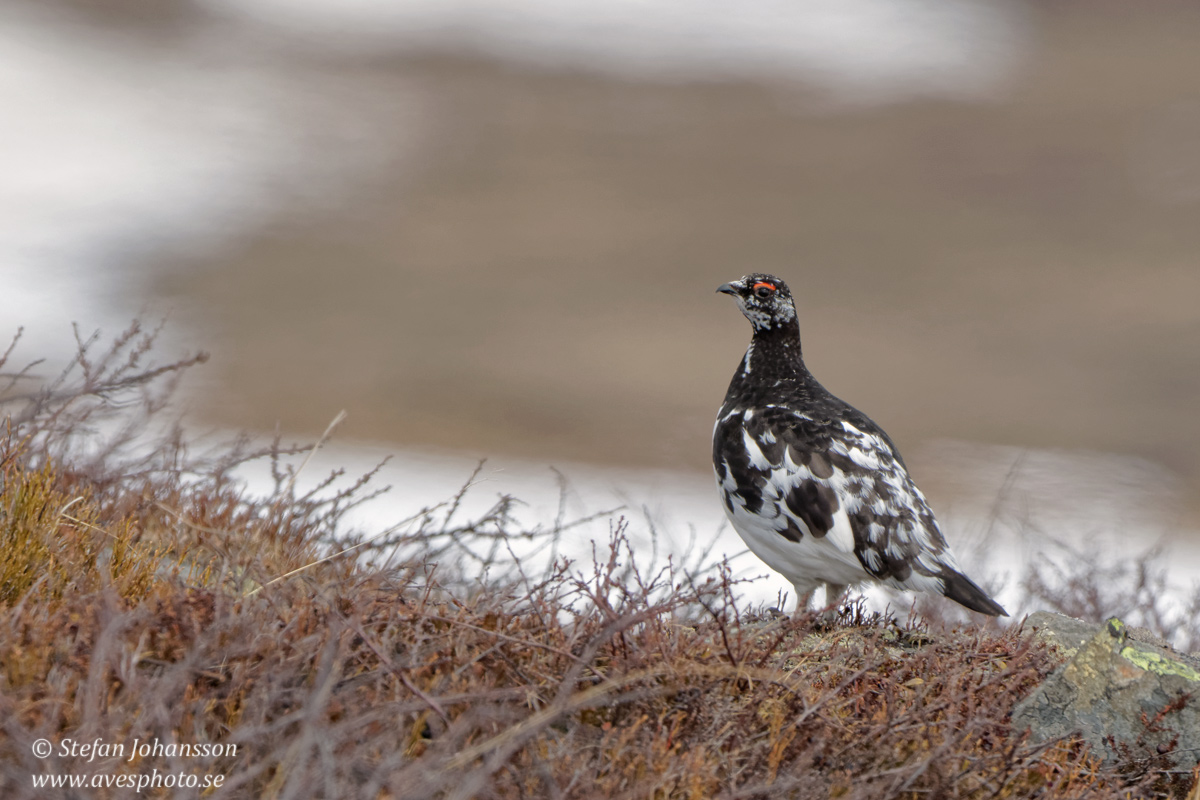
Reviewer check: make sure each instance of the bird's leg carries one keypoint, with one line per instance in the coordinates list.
(834, 592)
(802, 600)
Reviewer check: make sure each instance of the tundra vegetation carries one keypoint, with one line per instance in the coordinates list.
(146, 595)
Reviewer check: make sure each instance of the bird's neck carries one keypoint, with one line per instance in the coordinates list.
(774, 357)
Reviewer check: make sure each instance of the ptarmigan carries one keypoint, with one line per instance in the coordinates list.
(814, 487)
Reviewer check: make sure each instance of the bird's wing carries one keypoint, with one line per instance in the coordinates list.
(834, 479)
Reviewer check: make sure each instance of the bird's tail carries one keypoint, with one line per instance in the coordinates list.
(963, 591)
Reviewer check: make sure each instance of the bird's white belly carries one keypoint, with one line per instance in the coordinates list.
(807, 563)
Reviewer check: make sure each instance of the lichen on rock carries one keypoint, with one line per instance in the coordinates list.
(1128, 698)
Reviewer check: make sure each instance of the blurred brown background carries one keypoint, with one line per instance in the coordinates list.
(533, 272)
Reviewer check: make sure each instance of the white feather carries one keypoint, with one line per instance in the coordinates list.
(842, 534)
(757, 459)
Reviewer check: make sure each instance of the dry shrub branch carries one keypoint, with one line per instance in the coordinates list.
(141, 600)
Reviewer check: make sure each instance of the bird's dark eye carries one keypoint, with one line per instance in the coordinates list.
(763, 290)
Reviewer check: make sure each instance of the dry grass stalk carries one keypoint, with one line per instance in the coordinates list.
(140, 598)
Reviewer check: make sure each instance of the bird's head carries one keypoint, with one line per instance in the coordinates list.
(764, 299)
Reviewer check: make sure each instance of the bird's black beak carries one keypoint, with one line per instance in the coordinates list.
(728, 288)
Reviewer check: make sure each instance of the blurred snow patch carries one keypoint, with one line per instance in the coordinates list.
(116, 146)
(869, 49)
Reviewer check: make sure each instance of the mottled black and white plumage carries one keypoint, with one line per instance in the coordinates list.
(814, 487)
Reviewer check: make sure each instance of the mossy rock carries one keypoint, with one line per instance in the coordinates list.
(1132, 700)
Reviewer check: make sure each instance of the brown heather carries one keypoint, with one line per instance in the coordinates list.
(144, 595)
